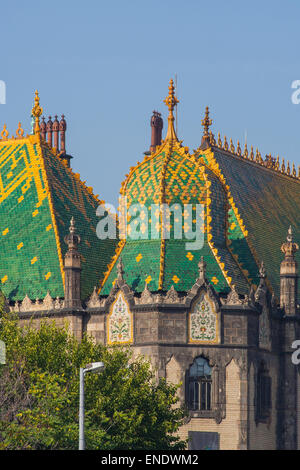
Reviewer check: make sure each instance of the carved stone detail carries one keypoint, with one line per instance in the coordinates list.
(146, 297)
(26, 305)
(172, 296)
(233, 297)
(94, 300)
(48, 303)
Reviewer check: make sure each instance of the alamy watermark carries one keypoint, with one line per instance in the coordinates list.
(158, 221)
(296, 354)
(2, 92)
(296, 94)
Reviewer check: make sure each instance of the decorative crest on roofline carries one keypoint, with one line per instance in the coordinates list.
(269, 162)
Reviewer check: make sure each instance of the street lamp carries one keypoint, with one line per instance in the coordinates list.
(94, 367)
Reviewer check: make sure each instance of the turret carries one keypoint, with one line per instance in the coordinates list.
(72, 269)
(289, 276)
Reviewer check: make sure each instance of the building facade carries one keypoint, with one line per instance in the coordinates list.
(201, 277)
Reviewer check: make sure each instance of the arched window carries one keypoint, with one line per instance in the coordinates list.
(200, 385)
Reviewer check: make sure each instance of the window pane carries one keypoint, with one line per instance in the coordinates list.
(200, 368)
(196, 395)
(203, 395)
(208, 395)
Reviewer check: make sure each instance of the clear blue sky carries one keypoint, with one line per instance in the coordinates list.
(106, 65)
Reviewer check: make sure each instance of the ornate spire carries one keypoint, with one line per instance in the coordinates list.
(171, 101)
(37, 111)
(206, 123)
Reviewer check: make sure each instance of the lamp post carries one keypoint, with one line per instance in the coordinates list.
(94, 367)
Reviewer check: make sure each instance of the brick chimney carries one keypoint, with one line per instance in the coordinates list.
(157, 126)
(55, 134)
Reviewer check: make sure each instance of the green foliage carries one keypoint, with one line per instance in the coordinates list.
(125, 408)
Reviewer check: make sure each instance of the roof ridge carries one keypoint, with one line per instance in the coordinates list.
(51, 206)
(269, 163)
(217, 171)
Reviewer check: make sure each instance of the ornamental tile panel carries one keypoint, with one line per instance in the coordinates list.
(119, 322)
(203, 321)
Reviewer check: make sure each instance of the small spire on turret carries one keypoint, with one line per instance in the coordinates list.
(289, 248)
(72, 239)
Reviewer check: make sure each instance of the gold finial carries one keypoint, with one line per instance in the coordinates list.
(171, 101)
(288, 170)
(37, 111)
(238, 148)
(212, 138)
(4, 133)
(206, 122)
(20, 131)
(246, 153)
(251, 153)
(277, 163)
(283, 166)
(294, 171)
(225, 143)
(219, 141)
(232, 149)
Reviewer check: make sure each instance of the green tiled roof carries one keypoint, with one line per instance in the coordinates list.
(38, 197)
(175, 178)
(268, 202)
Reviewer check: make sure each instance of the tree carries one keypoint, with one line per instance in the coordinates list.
(126, 408)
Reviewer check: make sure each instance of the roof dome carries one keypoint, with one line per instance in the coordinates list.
(174, 211)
